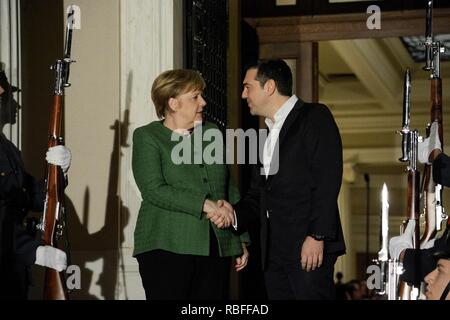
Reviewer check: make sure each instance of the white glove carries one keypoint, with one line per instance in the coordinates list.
(59, 156)
(429, 144)
(427, 245)
(51, 257)
(405, 241)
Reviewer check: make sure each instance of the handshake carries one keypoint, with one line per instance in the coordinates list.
(221, 213)
(431, 146)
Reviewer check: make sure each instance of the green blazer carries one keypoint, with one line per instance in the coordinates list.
(170, 217)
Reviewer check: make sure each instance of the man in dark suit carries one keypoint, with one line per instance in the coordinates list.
(294, 191)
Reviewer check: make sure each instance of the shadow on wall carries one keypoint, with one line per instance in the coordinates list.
(106, 243)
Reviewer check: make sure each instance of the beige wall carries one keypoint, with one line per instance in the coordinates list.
(92, 107)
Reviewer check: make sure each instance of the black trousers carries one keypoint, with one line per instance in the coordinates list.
(171, 276)
(287, 281)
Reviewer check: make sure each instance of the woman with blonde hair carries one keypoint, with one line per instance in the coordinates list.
(181, 253)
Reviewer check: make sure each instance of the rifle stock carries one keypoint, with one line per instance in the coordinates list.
(429, 190)
(55, 288)
(52, 220)
(413, 206)
(54, 283)
(432, 193)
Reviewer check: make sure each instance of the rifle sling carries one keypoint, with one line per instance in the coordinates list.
(445, 293)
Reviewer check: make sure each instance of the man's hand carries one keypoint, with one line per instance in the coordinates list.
(59, 156)
(312, 254)
(51, 257)
(241, 262)
(226, 204)
(405, 241)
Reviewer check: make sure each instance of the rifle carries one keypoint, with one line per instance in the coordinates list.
(432, 192)
(52, 220)
(409, 154)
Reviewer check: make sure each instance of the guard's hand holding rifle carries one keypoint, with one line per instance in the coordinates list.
(48, 256)
(405, 241)
(51, 257)
(59, 156)
(398, 245)
(431, 146)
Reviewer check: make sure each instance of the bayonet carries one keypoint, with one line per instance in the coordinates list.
(405, 131)
(383, 254)
(429, 41)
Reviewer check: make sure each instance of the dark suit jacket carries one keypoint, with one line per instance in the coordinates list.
(301, 198)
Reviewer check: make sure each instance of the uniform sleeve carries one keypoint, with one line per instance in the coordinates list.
(36, 193)
(26, 248)
(441, 169)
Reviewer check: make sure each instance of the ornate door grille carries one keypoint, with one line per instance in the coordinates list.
(206, 36)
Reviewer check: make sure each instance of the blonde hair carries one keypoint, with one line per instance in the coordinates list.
(171, 84)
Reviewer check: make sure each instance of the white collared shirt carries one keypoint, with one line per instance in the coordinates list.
(274, 131)
(275, 128)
